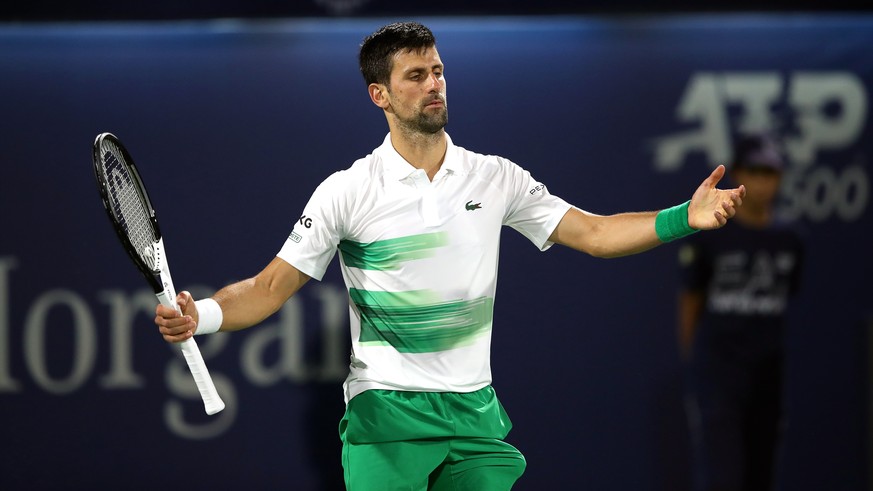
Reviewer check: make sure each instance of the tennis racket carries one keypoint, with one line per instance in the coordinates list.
(130, 211)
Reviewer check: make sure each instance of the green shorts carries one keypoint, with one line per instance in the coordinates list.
(416, 441)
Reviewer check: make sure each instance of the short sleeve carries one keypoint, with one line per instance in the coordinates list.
(531, 209)
(313, 241)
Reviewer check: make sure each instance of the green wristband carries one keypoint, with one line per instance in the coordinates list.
(672, 223)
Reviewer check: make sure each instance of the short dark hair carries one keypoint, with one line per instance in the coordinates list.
(378, 48)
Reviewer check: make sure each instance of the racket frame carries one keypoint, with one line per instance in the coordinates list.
(151, 275)
(159, 277)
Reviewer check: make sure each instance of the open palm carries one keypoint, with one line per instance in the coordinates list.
(711, 207)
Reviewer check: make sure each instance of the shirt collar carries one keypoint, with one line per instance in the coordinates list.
(396, 167)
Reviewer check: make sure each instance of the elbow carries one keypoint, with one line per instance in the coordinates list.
(277, 283)
(598, 244)
(601, 252)
(270, 294)
(594, 243)
(591, 247)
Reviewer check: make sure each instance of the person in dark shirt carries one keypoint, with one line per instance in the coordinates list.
(735, 290)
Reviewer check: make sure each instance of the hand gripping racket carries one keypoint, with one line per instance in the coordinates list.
(130, 211)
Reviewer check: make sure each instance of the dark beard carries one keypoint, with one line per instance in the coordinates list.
(428, 124)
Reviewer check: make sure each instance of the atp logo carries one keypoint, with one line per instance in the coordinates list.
(818, 115)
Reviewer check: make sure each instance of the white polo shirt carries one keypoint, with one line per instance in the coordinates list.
(419, 259)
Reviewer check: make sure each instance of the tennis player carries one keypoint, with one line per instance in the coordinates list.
(417, 225)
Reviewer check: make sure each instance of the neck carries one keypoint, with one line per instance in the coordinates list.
(421, 150)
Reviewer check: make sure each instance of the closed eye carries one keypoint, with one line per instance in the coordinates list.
(416, 75)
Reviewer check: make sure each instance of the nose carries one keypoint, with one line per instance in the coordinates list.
(435, 82)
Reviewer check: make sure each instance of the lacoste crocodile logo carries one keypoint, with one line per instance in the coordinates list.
(470, 206)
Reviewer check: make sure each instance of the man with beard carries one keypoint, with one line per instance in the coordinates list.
(417, 225)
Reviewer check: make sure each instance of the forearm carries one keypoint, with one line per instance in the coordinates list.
(689, 312)
(610, 236)
(246, 303)
(686, 339)
(624, 234)
(250, 301)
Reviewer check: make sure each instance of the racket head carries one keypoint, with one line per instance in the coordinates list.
(128, 206)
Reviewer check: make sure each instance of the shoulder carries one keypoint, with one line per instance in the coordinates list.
(481, 160)
(352, 177)
(486, 165)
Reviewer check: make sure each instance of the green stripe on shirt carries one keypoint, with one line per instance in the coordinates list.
(388, 254)
(412, 322)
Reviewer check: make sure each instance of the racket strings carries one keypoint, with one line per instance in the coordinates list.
(127, 205)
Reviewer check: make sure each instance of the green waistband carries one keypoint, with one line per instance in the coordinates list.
(388, 415)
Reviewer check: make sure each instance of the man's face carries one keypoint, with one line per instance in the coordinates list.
(762, 185)
(417, 92)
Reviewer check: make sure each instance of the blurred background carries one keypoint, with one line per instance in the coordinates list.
(235, 111)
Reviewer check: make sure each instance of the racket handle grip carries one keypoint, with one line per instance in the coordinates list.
(210, 396)
(196, 365)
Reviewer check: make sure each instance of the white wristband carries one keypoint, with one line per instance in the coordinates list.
(210, 316)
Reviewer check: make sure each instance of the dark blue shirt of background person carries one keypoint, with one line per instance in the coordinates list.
(736, 287)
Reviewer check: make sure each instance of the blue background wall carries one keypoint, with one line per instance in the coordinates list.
(234, 123)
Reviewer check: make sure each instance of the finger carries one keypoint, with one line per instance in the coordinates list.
(178, 338)
(166, 312)
(179, 321)
(183, 298)
(719, 218)
(176, 326)
(736, 199)
(714, 177)
(184, 301)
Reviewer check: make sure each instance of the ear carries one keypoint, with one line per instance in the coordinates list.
(379, 95)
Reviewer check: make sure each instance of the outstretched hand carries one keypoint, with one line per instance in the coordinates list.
(712, 207)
